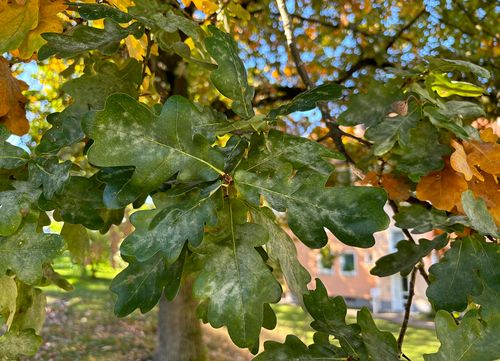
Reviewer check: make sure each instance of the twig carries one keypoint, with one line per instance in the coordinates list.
(404, 325)
(334, 130)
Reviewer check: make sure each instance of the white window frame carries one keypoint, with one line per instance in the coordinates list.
(354, 272)
(322, 270)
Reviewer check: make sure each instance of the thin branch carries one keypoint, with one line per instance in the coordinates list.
(404, 28)
(336, 132)
(404, 325)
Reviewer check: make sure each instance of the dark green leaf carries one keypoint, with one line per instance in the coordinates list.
(11, 156)
(381, 345)
(468, 264)
(234, 279)
(293, 349)
(84, 38)
(391, 130)
(230, 78)
(472, 340)
(158, 146)
(371, 107)
(329, 316)
(422, 154)
(309, 99)
(446, 65)
(141, 284)
(481, 220)
(407, 256)
(281, 248)
(49, 173)
(25, 251)
(178, 219)
(421, 220)
(101, 11)
(440, 120)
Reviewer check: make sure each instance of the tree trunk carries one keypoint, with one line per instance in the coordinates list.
(179, 330)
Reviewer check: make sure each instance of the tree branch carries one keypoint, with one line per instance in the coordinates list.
(404, 28)
(404, 325)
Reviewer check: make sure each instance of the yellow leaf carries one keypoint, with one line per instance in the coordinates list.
(12, 113)
(48, 22)
(186, 2)
(136, 47)
(443, 189)
(15, 22)
(487, 135)
(458, 160)
(207, 6)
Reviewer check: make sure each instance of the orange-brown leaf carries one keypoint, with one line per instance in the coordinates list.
(486, 156)
(488, 190)
(12, 112)
(488, 136)
(443, 189)
(397, 188)
(458, 160)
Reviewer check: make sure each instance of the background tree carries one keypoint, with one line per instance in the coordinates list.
(216, 166)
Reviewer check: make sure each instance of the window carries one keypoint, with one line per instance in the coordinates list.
(321, 267)
(348, 264)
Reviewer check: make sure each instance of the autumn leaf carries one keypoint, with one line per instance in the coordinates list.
(12, 113)
(486, 156)
(207, 6)
(489, 191)
(443, 189)
(48, 22)
(458, 160)
(487, 135)
(16, 20)
(397, 188)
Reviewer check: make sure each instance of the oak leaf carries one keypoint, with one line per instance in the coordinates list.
(207, 6)
(488, 135)
(486, 156)
(12, 112)
(48, 22)
(16, 20)
(443, 189)
(489, 191)
(458, 161)
(397, 188)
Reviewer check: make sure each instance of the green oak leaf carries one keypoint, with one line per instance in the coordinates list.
(447, 65)
(230, 78)
(179, 218)
(158, 146)
(83, 38)
(371, 107)
(293, 349)
(281, 248)
(30, 308)
(421, 220)
(25, 251)
(141, 284)
(459, 110)
(8, 295)
(15, 205)
(49, 173)
(309, 99)
(16, 343)
(89, 92)
(11, 156)
(116, 179)
(77, 240)
(391, 130)
(233, 152)
(468, 264)
(101, 11)
(170, 23)
(422, 153)
(440, 120)
(352, 214)
(471, 340)
(381, 345)
(480, 219)
(329, 317)
(235, 281)
(408, 254)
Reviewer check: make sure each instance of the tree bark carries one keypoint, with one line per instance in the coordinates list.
(179, 332)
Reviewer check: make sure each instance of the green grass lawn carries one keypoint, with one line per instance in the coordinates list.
(81, 325)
